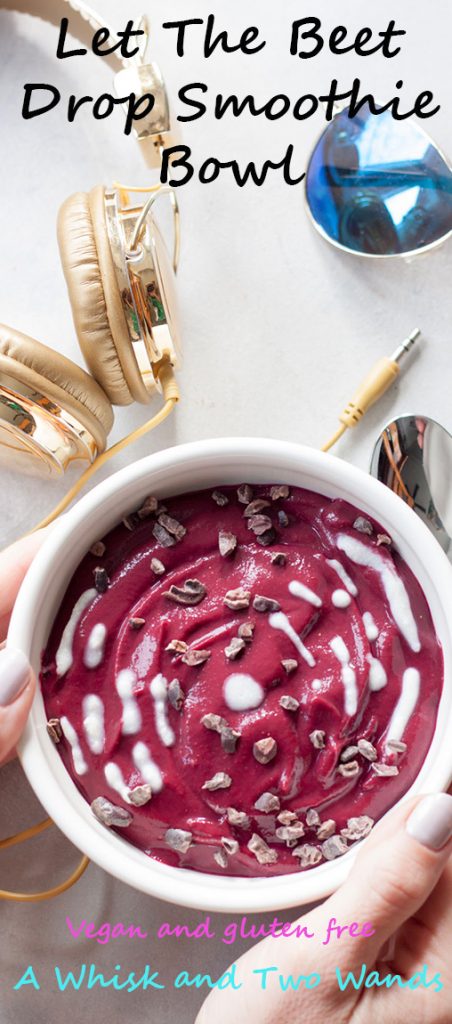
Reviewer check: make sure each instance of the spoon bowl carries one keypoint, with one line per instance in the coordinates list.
(413, 457)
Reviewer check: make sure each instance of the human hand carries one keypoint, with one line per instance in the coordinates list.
(17, 682)
(401, 883)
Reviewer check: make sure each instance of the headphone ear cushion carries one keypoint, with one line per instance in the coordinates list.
(51, 374)
(95, 297)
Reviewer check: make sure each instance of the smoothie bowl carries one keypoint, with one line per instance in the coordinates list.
(245, 662)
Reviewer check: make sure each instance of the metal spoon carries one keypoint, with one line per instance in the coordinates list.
(413, 457)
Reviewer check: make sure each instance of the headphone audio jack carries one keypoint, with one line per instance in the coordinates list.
(373, 387)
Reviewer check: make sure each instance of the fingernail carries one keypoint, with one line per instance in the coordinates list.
(14, 675)
(431, 821)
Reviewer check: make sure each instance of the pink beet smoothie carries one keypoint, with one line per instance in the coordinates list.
(261, 717)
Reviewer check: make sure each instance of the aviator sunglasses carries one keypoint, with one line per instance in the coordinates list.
(376, 187)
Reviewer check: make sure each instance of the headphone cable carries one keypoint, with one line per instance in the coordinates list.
(37, 897)
(171, 397)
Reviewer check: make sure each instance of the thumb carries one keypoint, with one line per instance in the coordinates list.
(394, 874)
(17, 686)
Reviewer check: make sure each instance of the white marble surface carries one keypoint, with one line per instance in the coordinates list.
(278, 329)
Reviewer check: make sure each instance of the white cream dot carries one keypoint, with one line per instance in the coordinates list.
(341, 599)
(242, 692)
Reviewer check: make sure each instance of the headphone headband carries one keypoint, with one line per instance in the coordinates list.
(134, 74)
(119, 281)
(82, 19)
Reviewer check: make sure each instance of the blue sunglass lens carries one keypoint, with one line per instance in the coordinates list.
(379, 187)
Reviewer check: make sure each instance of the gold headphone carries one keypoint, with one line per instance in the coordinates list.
(120, 280)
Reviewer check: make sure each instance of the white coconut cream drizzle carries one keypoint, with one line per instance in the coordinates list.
(95, 646)
(116, 781)
(343, 576)
(213, 634)
(148, 769)
(377, 674)
(64, 656)
(405, 705)
(280, 621)
(242, 693)
(393, 586)
(341, 599)
(93, 723)
(143, 656)
(341, 652)
(370, 627)
(131, 716)
(78, 760)
(305, 593)
(158, 689)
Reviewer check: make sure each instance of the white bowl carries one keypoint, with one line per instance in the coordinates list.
(190, 467)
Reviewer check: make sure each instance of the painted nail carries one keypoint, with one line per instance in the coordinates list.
(431, 821)
(14, 675)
